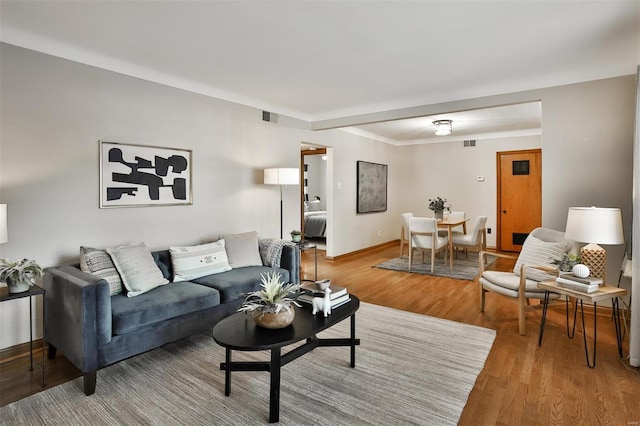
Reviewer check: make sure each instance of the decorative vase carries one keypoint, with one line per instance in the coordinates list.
(296, 238)
(438, 214)
(272, 320)
(17, 286)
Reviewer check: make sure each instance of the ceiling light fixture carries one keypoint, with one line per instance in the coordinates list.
(443, 127)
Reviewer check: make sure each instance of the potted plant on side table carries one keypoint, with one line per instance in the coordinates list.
(272, 305)
(20, 275)
(296, 236)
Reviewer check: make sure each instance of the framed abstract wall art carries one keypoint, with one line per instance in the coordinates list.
(142, 176)
(372, 187)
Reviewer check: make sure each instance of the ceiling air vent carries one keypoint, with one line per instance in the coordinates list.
(471, 142)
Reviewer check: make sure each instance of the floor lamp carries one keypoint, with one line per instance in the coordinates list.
(280, 177)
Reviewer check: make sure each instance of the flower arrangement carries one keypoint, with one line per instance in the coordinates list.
(273, 297)
(23, 271)
(438, 204)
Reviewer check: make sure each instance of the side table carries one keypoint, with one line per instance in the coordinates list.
(308, 246)
(603, 293)
(33, 291)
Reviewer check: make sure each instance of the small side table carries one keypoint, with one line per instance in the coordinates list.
(308, 246)
(603, 293)
(33, 291)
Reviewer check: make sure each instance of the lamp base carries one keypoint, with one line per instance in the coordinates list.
(595, 258)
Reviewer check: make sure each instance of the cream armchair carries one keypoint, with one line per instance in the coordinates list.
(534, 264)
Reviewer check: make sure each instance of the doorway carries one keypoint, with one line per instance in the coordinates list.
(314, 196)
(519, 206)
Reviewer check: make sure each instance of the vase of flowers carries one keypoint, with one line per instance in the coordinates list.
(20, 275)
(273, 305)
(438, 205)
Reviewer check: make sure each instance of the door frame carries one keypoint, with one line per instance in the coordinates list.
(499, 188)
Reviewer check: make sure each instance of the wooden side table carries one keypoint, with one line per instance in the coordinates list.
(603, 293)
(33, 291)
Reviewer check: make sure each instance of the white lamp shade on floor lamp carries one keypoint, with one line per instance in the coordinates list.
(595, 225)
(281, 176)
(4, 234)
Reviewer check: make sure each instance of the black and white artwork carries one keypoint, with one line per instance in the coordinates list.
(141, 175)
(372, 187)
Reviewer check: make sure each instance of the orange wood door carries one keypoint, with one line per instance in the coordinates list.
(519, 197)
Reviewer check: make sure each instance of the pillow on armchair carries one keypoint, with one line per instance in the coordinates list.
(538, 252)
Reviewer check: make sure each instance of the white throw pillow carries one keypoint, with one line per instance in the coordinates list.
(137, 269)
(197, 261)
(99, 263)
(242, 249)
(537, 252)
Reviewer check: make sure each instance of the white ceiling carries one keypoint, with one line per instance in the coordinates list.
(319, 60)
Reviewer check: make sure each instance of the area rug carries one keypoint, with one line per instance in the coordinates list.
(463, 268)
(410, 369)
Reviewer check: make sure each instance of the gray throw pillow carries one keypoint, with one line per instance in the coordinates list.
(137, 268)
(99, 263)
(242, 249)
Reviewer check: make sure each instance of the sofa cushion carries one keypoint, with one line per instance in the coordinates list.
(236, 283)
(163, 260)
(137, 268)
(162, 303)
(197, 261)
(99, 263)
(242, 249)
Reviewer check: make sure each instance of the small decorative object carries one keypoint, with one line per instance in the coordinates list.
(296, 236)
(322, 304)
(322, 285)
(271, 306)
(580, 270)
(20, 275)
(438, 205)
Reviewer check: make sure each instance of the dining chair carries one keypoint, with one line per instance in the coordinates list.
(404, 231)
(423, 233)
(536, 262)
(456, 229)
(476, 239)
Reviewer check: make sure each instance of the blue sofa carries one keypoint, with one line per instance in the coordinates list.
(94, 329)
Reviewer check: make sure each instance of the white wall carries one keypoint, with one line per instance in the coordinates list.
(449, 170)
(54, 112)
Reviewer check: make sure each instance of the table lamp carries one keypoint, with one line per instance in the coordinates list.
(595, 225)
(4, 234)
(281, 176)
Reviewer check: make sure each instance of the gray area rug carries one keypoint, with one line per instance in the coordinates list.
(463, 268)
(410, 370)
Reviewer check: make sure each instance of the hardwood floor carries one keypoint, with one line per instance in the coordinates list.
(521, 383)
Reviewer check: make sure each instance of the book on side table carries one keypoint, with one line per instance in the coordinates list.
(584, 285)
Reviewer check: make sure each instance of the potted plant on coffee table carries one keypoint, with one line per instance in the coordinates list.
(272, 305)
(19, 276)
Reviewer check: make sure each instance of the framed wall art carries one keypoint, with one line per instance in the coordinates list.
(372, 187)
(142, 176)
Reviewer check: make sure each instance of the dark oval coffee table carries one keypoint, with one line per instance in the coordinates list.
(239, 332)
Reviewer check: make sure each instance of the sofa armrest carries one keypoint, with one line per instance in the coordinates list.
(291, 261)
(78, 314)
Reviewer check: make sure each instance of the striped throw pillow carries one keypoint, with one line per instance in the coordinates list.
(137, 269)
(197, 261)
(99, 263)
(538, 252)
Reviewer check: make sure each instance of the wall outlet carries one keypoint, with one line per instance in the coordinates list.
(379, 233)
(488, 230)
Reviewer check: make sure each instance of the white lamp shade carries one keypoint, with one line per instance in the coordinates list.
(281, 176)
(4, 234)
(595, 225)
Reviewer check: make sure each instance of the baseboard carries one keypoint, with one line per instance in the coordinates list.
(19, 351)
(364, 250)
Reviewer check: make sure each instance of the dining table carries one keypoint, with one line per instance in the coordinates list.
(450, 224)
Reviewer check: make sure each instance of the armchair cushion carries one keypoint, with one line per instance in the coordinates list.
(538, 252)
